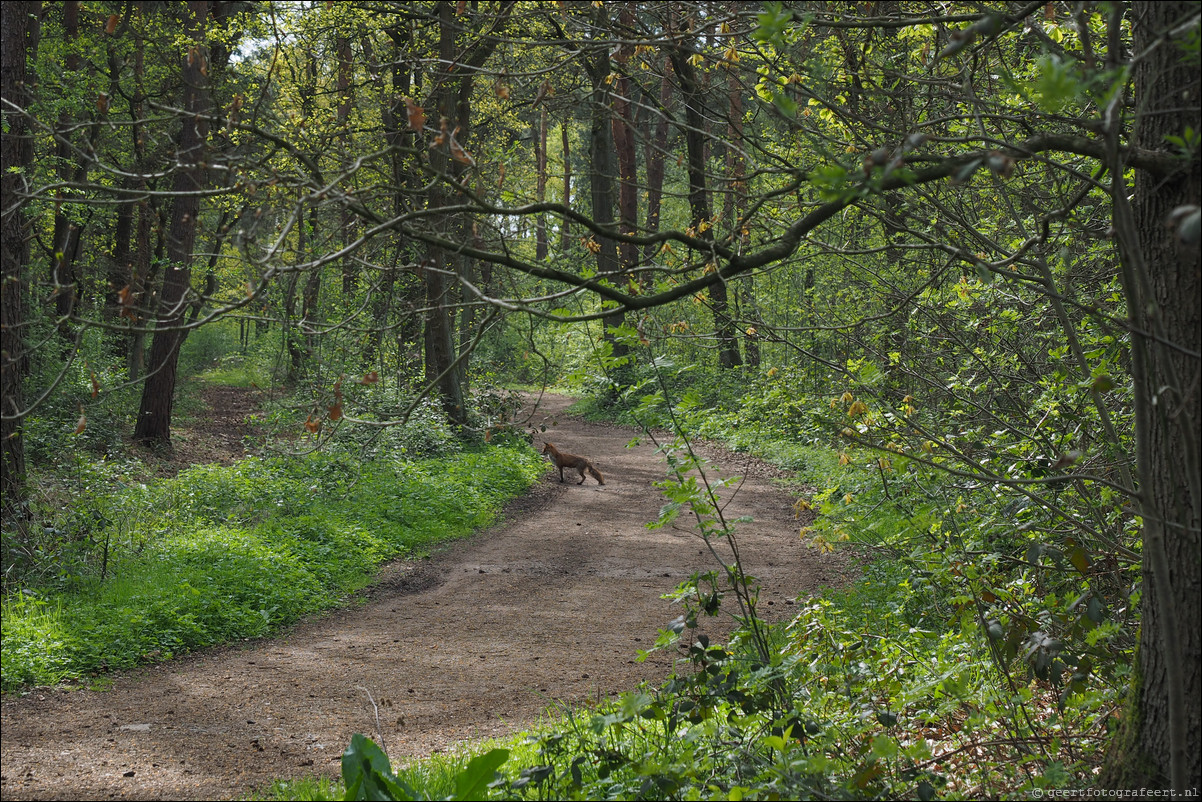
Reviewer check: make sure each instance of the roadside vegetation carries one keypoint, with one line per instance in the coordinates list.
(131, 567)
(909, 683)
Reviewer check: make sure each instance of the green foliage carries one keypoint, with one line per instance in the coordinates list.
(367, 774)
(971, 630)
(311, 789)
(222, 553)
(88, 387)
(206, 346)
(37, 642)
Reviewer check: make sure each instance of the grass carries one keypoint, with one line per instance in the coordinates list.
(433, 777)
(221, 553)
(317, 789)
(236, 370)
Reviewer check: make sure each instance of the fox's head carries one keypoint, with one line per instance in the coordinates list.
(547, 448)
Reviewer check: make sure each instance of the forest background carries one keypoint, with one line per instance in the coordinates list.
(942, 259)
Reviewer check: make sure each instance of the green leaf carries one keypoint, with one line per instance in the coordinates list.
(1056, 84)
(367, 773)
(884, 747)
(829, 180)
(1079, 559)
(870, 374)
(1034, 551)
(471, 782)
(784, 104)
(771, 23)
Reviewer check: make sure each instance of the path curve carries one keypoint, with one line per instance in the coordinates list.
(549, 606)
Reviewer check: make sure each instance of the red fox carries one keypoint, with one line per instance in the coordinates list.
(563, 460)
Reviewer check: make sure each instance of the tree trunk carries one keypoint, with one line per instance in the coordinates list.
(451, 98)
(1160, 738)
(399, 140)
(439, 332)
(137, 276)
(624, 147)
(564, 227)
(342, 47)
(311, 294)
(699, 205)
(540, 152)
(654, 155)
(602, 178)
(18, 34)
(734, 209)
(65, 240)
(153, 426)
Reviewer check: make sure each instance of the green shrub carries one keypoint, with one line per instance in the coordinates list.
(221, 553)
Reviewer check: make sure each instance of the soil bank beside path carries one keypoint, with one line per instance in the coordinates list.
(549, 606)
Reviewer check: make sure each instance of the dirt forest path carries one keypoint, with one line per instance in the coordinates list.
(549, 606)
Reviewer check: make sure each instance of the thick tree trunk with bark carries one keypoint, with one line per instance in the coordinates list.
(565, 232)
(451, 99)
(734, 209)
(133, 264)
(158, 393)
(439, 330)
(65, 239)
(655, 153)
(1160, 740)
(18, 34)
(624, 146)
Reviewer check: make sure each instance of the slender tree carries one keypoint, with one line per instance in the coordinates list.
(451, 100)
(71, 171)
(699, 200)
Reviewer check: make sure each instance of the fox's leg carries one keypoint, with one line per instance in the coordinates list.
(581, 469)
(561, 473)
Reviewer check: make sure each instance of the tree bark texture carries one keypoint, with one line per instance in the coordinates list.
(65, 242)
(1160, 740)
(565, 232)
(154, 415)
(654, 155)
(18, 35)
(540, 149)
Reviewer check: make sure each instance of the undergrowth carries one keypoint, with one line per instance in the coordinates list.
(974, 658)
(221, 553)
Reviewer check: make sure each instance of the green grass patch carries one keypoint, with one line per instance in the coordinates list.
(313, 789)
(222, 553)
(237, 372)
